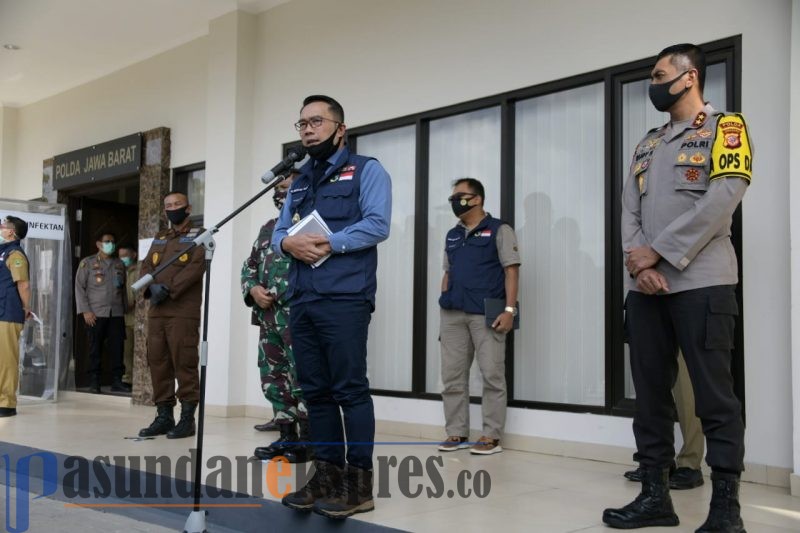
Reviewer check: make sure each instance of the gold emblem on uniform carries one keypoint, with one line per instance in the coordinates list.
(183, 258)
(692, 174)
(296, 218)
(641, 183)
(698, 158)
(699, 119)
(156, 257)
(705, 134)
(682, 158)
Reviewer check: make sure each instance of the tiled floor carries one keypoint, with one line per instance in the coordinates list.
(528, 492)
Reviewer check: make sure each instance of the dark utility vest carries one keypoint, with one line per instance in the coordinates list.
(475, 270)
(348, 276)
(10, 302)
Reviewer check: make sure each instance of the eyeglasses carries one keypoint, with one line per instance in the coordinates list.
(462, 196)
(314, 122)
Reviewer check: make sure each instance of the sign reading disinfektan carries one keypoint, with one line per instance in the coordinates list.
(40, 225)
(113, 159)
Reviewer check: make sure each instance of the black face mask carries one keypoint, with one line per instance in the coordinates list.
(278, 198)
(661, 97)
(322, 151)
(461, 205)
(176, 216)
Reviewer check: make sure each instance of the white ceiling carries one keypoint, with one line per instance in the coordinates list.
(65, 43)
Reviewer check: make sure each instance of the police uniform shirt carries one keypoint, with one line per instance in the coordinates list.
(678, 201)
(507, 249)
(100, 286)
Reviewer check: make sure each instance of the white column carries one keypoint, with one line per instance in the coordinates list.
(229, 176)
(8, 148)
(794, 229)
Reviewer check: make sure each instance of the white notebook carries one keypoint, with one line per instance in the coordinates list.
(312, 223)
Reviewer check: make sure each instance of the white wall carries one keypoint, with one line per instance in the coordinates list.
(384, 59)
(794, 202)
(8, 146)
(167, 90)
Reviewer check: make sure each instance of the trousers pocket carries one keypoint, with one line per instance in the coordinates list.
(721, 322)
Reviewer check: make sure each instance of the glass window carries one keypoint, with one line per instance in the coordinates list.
(389, 347)
(466, 145)
(559, 351)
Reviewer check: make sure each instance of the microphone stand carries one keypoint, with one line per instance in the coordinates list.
(196, 522)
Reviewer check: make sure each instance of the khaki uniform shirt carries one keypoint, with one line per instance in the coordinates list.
(17, 263)
(130, 311)
(184, 277)
(676, 201)
(100, 286)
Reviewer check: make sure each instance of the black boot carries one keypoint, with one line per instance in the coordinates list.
(724, 514)
(353, 495)
(327, 476)
(652, 507)
(94, 385)
(185, 427)
(288, 437)
(163, 422)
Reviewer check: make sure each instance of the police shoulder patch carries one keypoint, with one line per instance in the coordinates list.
(731, 154)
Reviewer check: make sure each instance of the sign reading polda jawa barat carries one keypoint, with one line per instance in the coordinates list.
(113, 159)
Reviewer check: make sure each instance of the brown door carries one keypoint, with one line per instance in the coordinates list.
(95, 216)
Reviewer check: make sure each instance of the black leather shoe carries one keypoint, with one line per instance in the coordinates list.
(119, 386)
(8, 411)
(94, 387)
(685, 478)
(634, 475)
(269, 425)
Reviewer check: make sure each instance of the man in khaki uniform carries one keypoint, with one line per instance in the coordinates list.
(128, 255)
(174, 321)
(15, 295)
(101, 299)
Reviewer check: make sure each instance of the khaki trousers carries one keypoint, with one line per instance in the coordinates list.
(691, 454)
(9, 363)
(462, 337)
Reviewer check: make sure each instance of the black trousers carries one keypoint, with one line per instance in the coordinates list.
(701, 323)
(111, 329)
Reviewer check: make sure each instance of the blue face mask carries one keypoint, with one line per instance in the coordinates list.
(109, 247)
(127, 261)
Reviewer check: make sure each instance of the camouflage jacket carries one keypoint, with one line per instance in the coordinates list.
(264, 267)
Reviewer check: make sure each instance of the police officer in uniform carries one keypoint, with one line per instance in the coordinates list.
(101, 299)
(15, 296)
(331, 305)
(481, 261)
(265, 279)
(686, 179)
(174, 321)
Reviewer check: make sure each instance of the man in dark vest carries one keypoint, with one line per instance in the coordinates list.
(15, 296)
(331, 303)
(481, 262)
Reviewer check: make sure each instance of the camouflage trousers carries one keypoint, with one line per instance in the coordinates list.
(279, 375)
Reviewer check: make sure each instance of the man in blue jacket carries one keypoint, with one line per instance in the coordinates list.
(15, 296)
(331, 304)
(481, 262)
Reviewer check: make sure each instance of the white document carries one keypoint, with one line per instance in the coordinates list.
(312, 223)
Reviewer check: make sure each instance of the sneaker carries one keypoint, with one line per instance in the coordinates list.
(486, 446)
(453, 443)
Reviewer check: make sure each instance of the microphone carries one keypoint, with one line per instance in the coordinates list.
(295, 154)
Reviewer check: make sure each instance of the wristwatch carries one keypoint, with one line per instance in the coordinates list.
(512, 310)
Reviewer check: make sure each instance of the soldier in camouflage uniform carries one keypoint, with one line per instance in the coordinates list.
(264, 283)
